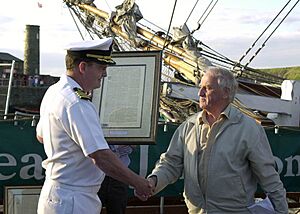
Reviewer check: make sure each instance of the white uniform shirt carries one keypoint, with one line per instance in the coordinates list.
(71, 131)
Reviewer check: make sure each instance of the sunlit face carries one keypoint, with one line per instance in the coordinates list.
(94, 74)
(211, 95)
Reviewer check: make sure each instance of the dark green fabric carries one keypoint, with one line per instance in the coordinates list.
(18, 141)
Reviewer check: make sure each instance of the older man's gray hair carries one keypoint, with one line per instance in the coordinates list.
(225, 80)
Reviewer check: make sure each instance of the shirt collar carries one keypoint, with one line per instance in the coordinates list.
(226, 113)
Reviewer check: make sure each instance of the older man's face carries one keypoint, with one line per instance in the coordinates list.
(211, 96)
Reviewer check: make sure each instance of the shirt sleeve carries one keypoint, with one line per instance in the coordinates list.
(170, 165)
(85, 127)
(263, 166)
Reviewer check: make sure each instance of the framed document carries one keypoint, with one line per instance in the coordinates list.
(21, 199)
(128, 99)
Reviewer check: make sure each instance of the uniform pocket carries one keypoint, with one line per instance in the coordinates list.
(59, 200)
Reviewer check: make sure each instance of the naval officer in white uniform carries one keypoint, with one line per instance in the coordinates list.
(69, 128)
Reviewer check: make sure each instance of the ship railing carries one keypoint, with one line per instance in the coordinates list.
(20, 116)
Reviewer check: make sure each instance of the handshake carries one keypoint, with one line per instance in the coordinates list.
(146, 190)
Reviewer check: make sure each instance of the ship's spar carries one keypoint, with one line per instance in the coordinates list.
(184, 57)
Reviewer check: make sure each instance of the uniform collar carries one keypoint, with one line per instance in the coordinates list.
(70, 81)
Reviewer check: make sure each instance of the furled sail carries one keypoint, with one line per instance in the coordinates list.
(184, 57)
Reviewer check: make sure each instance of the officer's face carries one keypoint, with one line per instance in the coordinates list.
(94, 74)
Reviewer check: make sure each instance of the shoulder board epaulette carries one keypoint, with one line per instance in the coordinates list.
(81, 94)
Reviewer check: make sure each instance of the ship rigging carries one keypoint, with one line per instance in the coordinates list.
(184, 56)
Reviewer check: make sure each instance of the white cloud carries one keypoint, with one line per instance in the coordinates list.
(230, 29)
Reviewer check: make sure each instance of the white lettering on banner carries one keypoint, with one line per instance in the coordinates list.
(11, 161)
(279, 164)
(289, 169)
(24, 171)
(289, 165)
(37, 167)
(8, 160)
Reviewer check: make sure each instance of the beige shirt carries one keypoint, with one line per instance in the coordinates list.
(224, 179)
(207, 139)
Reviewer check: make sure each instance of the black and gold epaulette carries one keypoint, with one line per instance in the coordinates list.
(82, 94)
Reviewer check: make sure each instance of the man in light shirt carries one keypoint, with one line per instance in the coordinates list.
(222, 154)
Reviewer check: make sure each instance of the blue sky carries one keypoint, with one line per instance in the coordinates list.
(231, 28)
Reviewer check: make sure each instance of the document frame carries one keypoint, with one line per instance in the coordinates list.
(127, 101)
(21, 199)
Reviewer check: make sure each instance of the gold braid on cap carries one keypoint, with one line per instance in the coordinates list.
(99, 56)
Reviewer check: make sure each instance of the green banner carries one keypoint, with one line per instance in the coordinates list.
(21, 156)
(286, 149)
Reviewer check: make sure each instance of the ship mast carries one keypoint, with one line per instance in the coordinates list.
(184, 57)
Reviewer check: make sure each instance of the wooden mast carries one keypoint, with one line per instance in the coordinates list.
(175, 57)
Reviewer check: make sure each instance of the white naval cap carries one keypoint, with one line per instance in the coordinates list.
(98, 50)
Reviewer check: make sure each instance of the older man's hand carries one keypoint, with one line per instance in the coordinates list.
(144, 197)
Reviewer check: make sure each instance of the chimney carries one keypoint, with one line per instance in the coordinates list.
(32, 50)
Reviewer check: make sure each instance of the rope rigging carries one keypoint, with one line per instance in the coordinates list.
(165, 42)
(102, 27)
(254, 43)
(250, 73)
(191, 12)
(217, 58)
(80, 18)
(75, 23)
(198, 22)
(245, 67)
(264, 43)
